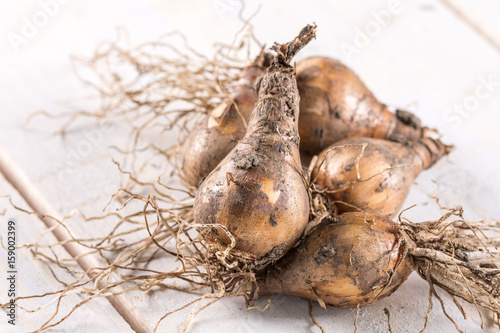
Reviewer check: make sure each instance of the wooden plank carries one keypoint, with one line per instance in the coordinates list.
(480, 16)
(51, 219)
(423, 59)
(34, 278)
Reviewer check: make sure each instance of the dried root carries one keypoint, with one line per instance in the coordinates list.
(158, 89)
(458, 256)
(451, 253)
(134, 253)
(155, 92)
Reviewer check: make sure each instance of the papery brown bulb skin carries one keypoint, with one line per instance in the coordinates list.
(353, 259)
(387, 171)
(336, 104)
(258, 192)
(214, 137)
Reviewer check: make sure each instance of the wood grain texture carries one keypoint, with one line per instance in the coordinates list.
(34, 278)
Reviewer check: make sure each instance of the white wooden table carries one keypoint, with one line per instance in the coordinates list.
(438, 59)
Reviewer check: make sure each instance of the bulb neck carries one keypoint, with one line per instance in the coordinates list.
(244, 90)
(429, 150)
(277, 109)
(404, 126)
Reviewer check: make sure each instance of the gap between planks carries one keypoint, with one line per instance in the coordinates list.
(477, 29)
(49, 216)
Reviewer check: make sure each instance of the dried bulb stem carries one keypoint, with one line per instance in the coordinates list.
(286, 52)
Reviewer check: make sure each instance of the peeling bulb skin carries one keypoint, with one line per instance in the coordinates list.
(336, 105)
(354, 259)
(214, 137)
(258, 192)
(386, 172)
(260, 211)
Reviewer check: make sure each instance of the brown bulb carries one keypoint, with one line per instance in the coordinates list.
(258, 192)
(211, 140)
(386, 172)
(350, 260)
(335, 104)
